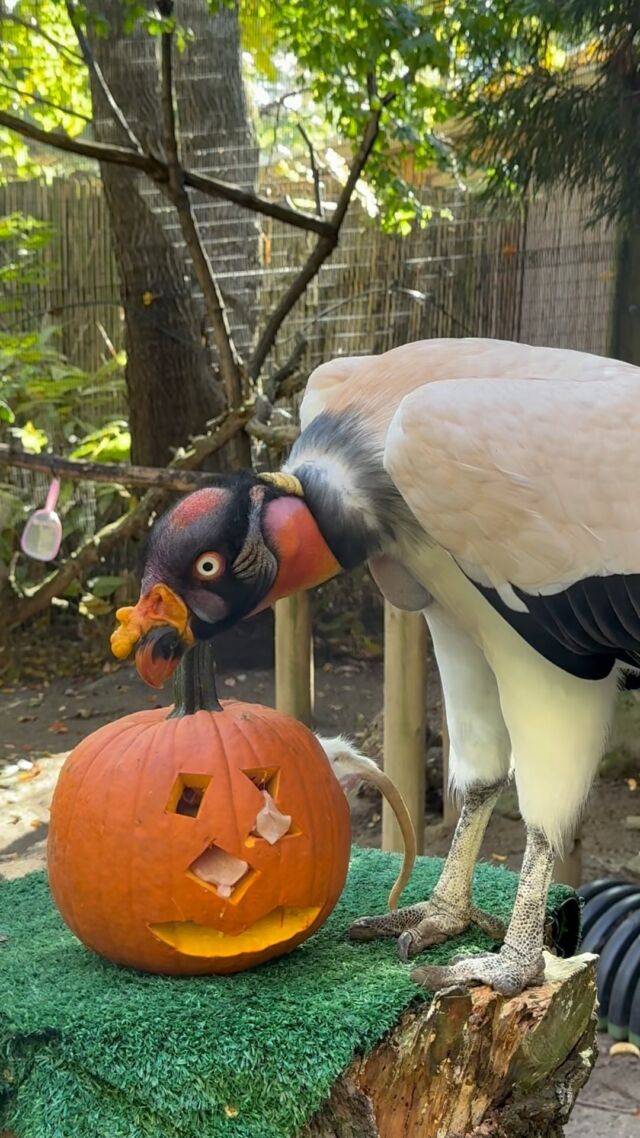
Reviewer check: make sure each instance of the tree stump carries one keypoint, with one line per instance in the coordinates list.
(474, 1065)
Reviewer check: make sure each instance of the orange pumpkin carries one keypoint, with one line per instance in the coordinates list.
(207, 841)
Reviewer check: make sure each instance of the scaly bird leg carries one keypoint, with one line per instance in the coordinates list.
(519, 964)
(449, 910)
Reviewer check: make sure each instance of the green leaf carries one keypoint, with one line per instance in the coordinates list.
(91, 606)
(105, 586)
(6, 414)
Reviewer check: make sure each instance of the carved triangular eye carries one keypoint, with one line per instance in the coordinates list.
(265, 778)
(187, 793)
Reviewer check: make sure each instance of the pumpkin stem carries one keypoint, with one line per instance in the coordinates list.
(194, 687)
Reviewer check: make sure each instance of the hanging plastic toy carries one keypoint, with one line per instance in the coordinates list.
(42, 534)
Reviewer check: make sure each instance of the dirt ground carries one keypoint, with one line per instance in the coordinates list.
(40, 722)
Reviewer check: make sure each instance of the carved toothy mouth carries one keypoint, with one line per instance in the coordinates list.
(277, 927)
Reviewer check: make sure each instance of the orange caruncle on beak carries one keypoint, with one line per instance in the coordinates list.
(160, 607)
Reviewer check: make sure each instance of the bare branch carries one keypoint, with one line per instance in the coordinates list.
(322, 250)
(314, 169)
(324, 246)
(111, 472)
(158, 171)
(371, 131)
(168, 113)
(45, 102)
(93, 66)
(229, 361)
(220, 432)
(98, 151)
(278, 384)
(247, 199)
(279, 435)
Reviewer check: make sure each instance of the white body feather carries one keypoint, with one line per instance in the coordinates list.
(492, 464)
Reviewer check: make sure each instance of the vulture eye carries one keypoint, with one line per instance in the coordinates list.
(208, 566)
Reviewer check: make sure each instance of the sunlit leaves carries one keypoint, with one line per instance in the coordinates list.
(42, 78)
(111, 443)
(30, 437)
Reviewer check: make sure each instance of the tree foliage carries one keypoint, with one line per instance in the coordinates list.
(42, 78)
(564, 110)
(538, 91)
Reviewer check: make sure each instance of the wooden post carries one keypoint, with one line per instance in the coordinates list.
(450, 811)
(294, 657)
(405, 681)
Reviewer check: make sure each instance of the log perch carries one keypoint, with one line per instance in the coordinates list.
(474, 1065)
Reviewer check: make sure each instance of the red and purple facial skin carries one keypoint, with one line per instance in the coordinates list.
(222, 554)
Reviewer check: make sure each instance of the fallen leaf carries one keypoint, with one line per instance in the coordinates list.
(26, 718)
(36, 824)
(624, 1049)
(231, 1111)
(58, 727)
(498, 857)
(24, 776)
(632, 783)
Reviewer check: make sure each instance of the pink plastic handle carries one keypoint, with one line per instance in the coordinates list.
(52, 496)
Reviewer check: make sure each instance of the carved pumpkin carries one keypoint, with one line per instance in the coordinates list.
(206, 841)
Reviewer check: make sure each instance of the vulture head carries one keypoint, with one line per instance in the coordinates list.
(220, 555)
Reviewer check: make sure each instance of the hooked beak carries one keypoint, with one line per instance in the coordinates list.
(158, 628)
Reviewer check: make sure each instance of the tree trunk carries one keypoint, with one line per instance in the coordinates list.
(474, 1065)
(172, 383)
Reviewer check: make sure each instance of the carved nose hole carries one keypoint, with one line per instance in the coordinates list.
(224, 874)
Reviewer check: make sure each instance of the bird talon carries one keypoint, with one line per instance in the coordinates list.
(506, 972)
(405, 945)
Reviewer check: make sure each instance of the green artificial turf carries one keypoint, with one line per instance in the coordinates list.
(89, 1050)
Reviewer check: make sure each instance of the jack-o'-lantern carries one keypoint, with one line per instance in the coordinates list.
(204, 841)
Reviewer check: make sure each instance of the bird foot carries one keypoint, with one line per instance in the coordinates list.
(420, 926)
(508, 972)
